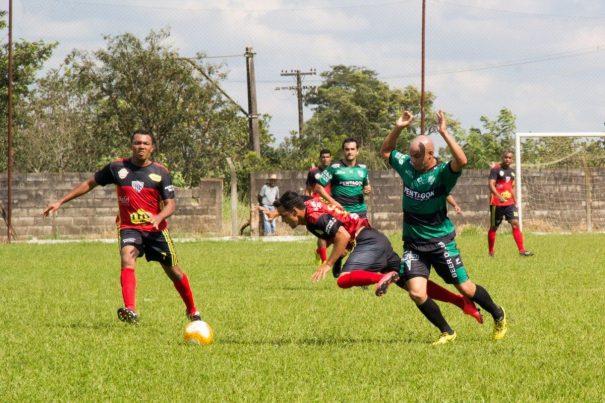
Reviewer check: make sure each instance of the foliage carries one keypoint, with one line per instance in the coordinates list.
(353, 102)
(281, 337)
(484, 147)
(94, 101)
(28, 59)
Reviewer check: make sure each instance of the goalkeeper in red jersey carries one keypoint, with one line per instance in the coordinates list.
(371, 258)
(503, 203)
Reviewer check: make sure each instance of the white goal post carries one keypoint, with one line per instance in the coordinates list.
(519, 171)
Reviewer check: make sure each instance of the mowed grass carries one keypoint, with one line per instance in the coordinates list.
(281, 338)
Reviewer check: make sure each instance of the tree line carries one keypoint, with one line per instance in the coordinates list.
(79, 116)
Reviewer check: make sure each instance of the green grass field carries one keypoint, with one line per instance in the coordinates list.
(281, 338)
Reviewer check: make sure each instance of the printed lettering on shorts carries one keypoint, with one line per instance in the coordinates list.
(451, 262)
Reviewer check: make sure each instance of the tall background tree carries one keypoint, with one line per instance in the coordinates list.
(28, 59)
(93, 102)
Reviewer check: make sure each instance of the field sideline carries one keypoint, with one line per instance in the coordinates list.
(282, 338)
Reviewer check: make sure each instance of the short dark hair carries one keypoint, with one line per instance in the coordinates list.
(324, 151)
(290, 200)
(350, 140)
(507, 151)
(145, 132)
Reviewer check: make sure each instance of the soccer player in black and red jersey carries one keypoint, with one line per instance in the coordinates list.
(503, 203)
(325, 159)
(145, 199)
(371, 257)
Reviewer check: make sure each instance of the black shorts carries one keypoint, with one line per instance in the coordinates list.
(444, 257)
(372, 252)
(498, 212)
(155, 246)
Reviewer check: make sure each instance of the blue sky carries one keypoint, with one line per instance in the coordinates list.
(543, 59)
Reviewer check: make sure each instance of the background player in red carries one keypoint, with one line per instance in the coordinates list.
(325, 159)
(503, 203)
(371, 257)
(145, 199)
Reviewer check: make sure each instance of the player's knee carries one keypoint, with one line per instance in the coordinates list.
(344, 281)
(418, 295)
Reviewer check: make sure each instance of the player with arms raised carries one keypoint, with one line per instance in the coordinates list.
(428, 234)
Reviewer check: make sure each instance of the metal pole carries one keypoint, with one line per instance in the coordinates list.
(422, 123)
(9, 203)
(252, 110)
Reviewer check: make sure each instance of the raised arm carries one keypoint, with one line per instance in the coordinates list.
(459, 160)
(390, 140)
(78, 191)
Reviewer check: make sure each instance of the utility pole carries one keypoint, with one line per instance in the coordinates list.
(299, 89)
(252, 110)
(9, 204)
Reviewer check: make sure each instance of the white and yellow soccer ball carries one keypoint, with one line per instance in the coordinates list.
(198, 332)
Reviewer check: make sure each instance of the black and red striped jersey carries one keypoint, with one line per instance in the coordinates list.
(505, 182)
(141, 191)
(323, 220)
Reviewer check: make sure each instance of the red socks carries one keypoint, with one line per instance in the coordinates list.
(128, 280)
(435, 291)
(358, 278)
(518, 239)
(323, 253)
(491, 240)
(184, 290)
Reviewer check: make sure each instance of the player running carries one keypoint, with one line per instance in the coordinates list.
(428, 233)
(146, 199)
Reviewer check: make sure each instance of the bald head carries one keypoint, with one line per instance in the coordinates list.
(422, 152)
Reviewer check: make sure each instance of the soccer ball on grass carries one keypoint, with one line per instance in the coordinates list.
(198, 332)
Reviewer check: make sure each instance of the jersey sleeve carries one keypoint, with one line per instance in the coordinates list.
(328, 224)
(105, 176)
(167, 190)
(326, 176)
(449, 177)
(493, 173)
(397, 160)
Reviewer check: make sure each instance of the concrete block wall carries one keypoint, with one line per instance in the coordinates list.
(555, 199)
(199, 210)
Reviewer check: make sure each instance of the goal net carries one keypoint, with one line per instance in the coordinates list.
(560, 180)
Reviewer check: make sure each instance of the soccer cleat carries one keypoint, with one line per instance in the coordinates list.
(194, 316)
(383, 285)
(526, 253)
(128, 315)
(470, 309)
(445, 338)
(500, 327)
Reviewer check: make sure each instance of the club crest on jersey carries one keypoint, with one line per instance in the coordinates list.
(123, 173)
(360, 174)
(137, 186)
(155, 177)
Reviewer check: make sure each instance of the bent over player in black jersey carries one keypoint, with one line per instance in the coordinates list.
(145, 199)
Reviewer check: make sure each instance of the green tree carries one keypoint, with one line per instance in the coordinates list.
(352, 101)
(28, 59)
(483, 147)
(106, 94)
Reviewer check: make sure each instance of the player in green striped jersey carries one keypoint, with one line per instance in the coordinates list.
(428, 233)
(348, 180)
